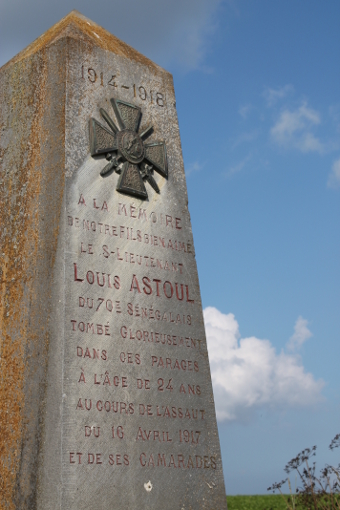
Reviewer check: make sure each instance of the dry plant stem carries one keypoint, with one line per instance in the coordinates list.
(292, 495)
(312, 486)
(336, 472)
(333, 502)
(302, 479)
(286, 501)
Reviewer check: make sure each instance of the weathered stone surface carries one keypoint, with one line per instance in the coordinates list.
(106, 397)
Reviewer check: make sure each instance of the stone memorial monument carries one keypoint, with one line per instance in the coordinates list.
(106, 399)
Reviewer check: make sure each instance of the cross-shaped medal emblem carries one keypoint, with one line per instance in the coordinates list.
(125, 149)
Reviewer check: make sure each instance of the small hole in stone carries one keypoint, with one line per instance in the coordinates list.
(148, 486)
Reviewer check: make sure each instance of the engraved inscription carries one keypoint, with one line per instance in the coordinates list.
(137, 349)
(141, 92)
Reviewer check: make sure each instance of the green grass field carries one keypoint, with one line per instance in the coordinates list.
(268, 502)
(276, 502)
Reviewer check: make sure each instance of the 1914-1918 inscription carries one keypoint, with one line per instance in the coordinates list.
(124, 396)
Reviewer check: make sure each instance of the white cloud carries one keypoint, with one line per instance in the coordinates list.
(334, 112)
(273, 95)
(248, 374)
(245, 137)
(245, 110)
(239, 166)
(334, 176)
(193, 167)
(294, 129)
(309, 143)
(301, 334)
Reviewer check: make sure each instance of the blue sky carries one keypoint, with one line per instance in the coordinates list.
(257, 87)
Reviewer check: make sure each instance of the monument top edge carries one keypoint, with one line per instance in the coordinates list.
(78, 26)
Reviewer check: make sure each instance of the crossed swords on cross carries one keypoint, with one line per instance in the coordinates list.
(124, 146)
